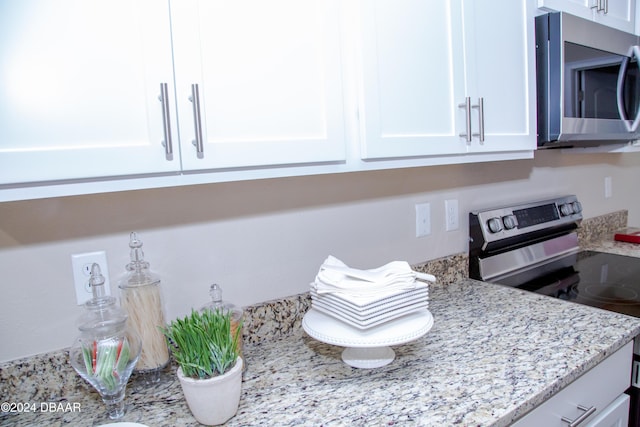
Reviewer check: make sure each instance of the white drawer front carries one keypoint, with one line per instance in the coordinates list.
(597, 388)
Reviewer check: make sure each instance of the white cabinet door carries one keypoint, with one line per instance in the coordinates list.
(500, 73)
(79, 88)
(421, 60)
(581, 8)
(618, 14)
(412, 72)
(268, 76)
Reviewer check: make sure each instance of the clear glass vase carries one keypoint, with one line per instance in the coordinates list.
(106, 363)
(106, 351)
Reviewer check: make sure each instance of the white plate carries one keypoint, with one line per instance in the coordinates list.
(371, 321)
(338, 298)
(364, 301)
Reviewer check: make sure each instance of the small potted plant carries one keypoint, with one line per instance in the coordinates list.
(209, 364)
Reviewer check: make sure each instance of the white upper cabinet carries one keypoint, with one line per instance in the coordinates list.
(267, 75)
(620, 14)
(500, 75)
(447, 78)
(79, 89)
(412, 78)
(112, 95)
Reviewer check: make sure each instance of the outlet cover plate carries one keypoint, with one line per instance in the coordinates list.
(423, 219)
(81, 264)
(451, 215)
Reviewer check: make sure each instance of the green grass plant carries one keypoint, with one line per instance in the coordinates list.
(203, 343)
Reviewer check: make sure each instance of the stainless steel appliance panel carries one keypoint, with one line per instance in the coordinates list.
(588, 82)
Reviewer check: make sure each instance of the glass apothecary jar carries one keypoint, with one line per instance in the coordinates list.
(106, 351)
(237, 314)
(141, 298)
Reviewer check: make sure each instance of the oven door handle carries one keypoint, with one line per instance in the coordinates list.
(633, 51)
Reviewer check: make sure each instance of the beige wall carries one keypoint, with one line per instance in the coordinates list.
(263, 240)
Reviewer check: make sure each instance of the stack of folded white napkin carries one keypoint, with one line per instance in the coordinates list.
(367, 298)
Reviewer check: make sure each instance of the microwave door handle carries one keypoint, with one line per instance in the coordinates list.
(633, 51)
(636, 53)
(619, 96)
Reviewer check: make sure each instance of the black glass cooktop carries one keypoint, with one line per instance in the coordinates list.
(607, 281)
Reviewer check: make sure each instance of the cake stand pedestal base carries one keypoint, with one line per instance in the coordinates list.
(368, 357)
(371, 347)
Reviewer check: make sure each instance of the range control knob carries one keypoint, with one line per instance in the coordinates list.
(577, 207)
(509, 222)
(566, 209)
(495, 225)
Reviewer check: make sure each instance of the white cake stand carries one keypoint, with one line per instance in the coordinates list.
(368, 348)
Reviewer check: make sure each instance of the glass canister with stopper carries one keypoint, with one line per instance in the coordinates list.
(106, 350)
(141, 298)
(236, 312)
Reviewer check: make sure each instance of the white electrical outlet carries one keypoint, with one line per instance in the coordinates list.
(423, 219)
(81, 264)
(451, 214)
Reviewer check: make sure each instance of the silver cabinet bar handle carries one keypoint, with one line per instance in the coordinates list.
(166, 122)
(587, 413)
(480, 108)
(467, 110)
(599, 5)
(195, 99)
(606, 6)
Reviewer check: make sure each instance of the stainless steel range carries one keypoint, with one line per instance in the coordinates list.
(534, 246)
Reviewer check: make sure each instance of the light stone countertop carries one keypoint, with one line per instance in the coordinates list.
(614, 247)
(493, 354)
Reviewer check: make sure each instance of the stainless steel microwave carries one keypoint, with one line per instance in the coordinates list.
(588, 82)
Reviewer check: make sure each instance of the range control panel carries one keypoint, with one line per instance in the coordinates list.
(512, 221)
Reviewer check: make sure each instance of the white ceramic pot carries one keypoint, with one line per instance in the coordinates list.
(215, 400)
